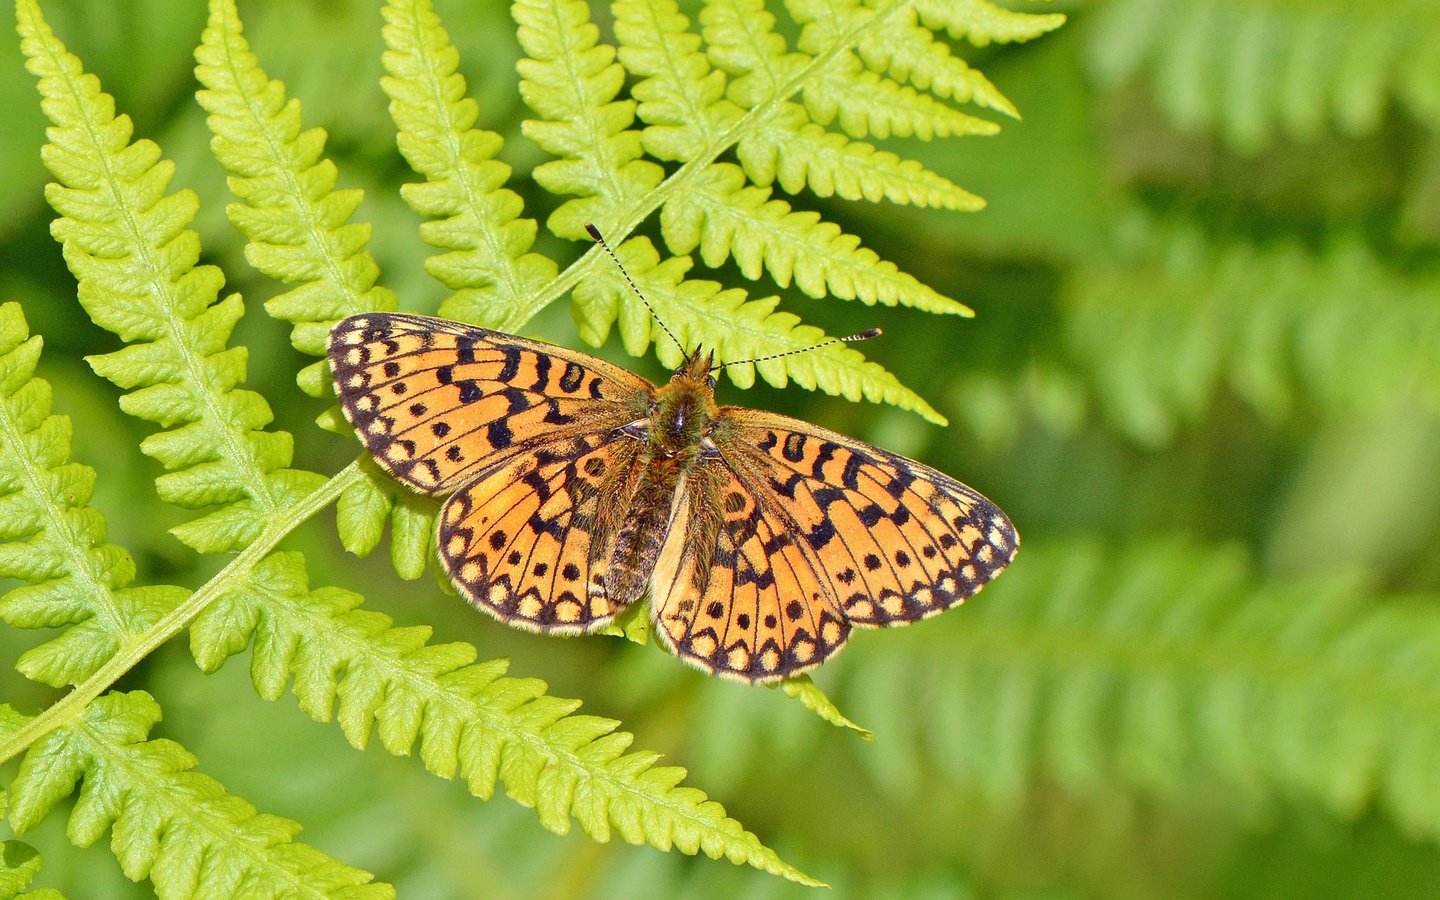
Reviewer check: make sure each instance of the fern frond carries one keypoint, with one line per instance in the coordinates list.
(1175, 316)
(902, 48)
(1176, 672)
(51, 538)
(298, 230)
(736, 87)
(981, 22)
(571, 81)
(700, 312)
(174, 826)
(127, 242)
(465, 717)
(297, 223)
(488, 264)
(1252, 71)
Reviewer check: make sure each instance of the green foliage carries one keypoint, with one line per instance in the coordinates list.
(1252, 71)
(1201, 378)
(1173, 317)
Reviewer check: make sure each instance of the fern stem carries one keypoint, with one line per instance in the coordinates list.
(69, 708)
(627, 221)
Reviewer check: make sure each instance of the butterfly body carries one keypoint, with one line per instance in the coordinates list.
(575, 486)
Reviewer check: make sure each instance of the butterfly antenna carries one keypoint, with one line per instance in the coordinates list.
(865, 335)
(595, 233)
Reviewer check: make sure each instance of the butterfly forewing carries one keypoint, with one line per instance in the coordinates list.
(436, 401)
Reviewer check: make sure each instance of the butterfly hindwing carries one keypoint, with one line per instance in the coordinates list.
(733, 593)
(896, 540)
(436, 402)
(529, 541)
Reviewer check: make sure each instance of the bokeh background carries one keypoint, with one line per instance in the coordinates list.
(1203, 379)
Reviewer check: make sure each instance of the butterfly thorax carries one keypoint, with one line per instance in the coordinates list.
(683, 412)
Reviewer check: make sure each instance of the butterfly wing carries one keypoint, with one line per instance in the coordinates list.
(528, 541)
(437, 402)
(732, 592)
(815, 532)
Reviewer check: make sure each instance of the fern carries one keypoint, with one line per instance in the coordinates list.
(134, 260)
(1252, 71)
(173, 826)
(1174, 317)
(1176, 672)
(697, 98)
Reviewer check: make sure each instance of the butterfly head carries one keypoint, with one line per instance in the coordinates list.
(699, 368)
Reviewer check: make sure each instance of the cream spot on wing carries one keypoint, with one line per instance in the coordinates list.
(861, 609)
(739, 658)
(568, 610)
(704, 645)
(530, 606)
(892, 604)
(770, 660)
(830, 632)
(803, 650)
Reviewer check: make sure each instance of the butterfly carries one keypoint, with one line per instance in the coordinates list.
(575, 485)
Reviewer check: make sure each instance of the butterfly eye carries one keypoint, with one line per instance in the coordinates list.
(710, 382)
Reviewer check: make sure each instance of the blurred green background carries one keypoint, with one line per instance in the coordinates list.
(1204, 380)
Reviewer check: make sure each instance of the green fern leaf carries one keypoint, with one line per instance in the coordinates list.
(700, 312)
(813, 699)
(50, 536)
(981, 22)
(473, 217)
(465, 717)
(724, 218)
(899, 46)
(298, 225)
(169, 824)
(134, 259)
(571, 82)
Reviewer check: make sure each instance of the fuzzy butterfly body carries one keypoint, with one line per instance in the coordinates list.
(576, 485)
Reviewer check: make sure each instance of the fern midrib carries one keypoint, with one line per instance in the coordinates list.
(502, 265)
(281, 163)
(239, 453)
(73, 545)
(176, 807)
(70, 707)
(690, 172)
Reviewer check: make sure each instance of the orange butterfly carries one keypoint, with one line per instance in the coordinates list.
(576, 484)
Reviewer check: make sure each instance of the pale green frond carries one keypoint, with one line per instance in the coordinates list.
(19, 864)
(174, 826)
(982, 22)
(571, 81)
(812, 698)
(800, 155)
(127, 243)
(471, 215)
(462, 717)
(701, 313)
(897, 45)
(1253, 72)
(298, 225)
(1176, 672)
(681, 98)
(52, 539)
(726, 219)
(865, 104)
